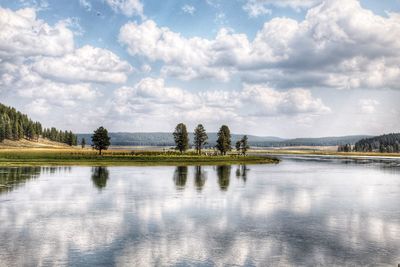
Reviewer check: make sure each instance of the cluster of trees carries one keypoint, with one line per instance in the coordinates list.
(223, 142)
(15, 126)
(387, 143)
(66, 137)
(242, 145)
(344, 148)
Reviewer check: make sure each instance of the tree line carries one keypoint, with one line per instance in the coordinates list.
(223, 142)
(15, 126)
(387, 143)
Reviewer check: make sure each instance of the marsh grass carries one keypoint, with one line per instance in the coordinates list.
(35, 157)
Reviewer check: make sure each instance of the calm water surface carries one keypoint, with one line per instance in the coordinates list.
(300, 212)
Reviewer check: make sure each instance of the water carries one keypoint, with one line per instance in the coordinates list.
(300, 212)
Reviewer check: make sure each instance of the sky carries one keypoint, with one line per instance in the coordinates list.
(288, 68)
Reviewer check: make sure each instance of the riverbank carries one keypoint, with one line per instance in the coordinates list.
(86, 157)
(276, 152)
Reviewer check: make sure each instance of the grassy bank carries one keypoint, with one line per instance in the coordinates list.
(41, 157)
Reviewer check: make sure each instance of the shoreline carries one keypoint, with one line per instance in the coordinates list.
(46, 157)
(331, 154)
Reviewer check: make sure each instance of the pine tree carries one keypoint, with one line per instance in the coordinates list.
(100, 139)
(244, 145)
(31, 132)
(83, 142)
(2, 129)
(224, 140)
(15, 130)
(238, 146)
(8, 130)
(181, 137)
(200, 138)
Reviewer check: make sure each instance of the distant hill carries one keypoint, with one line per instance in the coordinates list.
(166, 139)
(322, 141)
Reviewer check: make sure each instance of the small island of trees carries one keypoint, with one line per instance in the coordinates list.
(223, 145)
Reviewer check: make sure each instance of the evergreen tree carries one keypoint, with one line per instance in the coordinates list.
(100, 139)
(83, 142)
(200, 138)
(238, 146)
(30, 132)
(224, 140)
(244, 145)
(15, 131)
(20, 131)
(181, 137)
(2, 129)
(74, 140)
(69, 138)
(8, 130)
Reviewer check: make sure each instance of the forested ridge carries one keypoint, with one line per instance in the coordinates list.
(15, 126)
(384, 143)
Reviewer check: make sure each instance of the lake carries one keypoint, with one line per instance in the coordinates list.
(302, 212)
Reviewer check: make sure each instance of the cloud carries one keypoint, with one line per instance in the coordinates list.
(36, 4)
(338, 44)
(23, 35)
(85, 4)
(127, 7)
(145, 68)
(86, 64)
(152, 97)
(368, 106)
(186, 58)
(38, 107)
(261, 100)
(28, 84)
(188, 9)
(256, 8)
(39, 64)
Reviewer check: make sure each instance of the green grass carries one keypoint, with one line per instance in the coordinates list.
(40, 157)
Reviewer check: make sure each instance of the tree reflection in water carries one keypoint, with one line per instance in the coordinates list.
(200, 177)
(180, 176)
(224, 174)
(10, 178)
(100, 176)
(241, 172)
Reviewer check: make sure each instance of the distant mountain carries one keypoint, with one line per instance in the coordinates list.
(166, 139)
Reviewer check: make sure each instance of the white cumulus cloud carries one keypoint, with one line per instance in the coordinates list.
(339, 44)
(87, 64)
(22, 34)
(152, 96)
